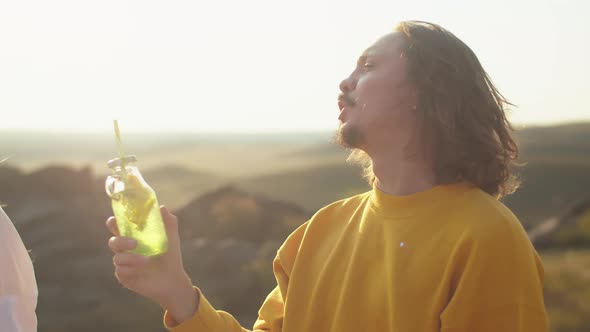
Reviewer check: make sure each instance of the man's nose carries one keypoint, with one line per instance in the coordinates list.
(348, 84)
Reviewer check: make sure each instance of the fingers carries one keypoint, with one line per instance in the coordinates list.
(112, 226)
(170, 223)
(129, 268)
(120, 244)
(130, 260)
(170, 220)
(126, 275)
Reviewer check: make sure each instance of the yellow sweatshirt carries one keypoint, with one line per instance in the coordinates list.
(449, 259)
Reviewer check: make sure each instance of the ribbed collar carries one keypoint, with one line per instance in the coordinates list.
(409, 205)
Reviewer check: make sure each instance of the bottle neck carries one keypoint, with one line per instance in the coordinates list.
(123, 168)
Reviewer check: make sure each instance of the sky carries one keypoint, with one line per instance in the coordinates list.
(262, 65)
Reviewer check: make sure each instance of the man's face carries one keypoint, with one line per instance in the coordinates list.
(377, 106)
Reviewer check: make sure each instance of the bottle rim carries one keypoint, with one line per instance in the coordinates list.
(119, 162)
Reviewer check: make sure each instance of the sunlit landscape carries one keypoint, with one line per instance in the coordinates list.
(230, 108)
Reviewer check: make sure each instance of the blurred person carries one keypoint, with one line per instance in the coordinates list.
(429, 248)
(18, 287)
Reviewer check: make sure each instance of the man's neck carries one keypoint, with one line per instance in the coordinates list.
(397, 176)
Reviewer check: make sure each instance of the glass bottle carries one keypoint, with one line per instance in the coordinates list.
(136, 207)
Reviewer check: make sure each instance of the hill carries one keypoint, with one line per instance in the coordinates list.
(236, 203)
(556, 173)
(177, 185)
(566, 140)
(312, 187)
(229, 240)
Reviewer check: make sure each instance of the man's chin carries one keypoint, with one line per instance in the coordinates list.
(349, 136)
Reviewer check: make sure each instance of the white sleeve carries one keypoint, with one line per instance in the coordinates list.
(18, 287)
(17, 313)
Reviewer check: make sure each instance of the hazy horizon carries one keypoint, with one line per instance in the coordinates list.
(211, 133)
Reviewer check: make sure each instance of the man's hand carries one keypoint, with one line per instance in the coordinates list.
(160, 278)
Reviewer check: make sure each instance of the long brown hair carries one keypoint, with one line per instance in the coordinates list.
(461, 113)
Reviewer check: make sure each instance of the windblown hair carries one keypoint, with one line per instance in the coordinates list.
(461, 114)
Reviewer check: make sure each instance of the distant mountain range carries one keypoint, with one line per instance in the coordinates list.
(234, 154)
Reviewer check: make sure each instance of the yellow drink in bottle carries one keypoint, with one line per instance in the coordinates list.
(135, 206)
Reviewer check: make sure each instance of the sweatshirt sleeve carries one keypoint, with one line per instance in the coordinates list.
(497, 282)
(270, 315)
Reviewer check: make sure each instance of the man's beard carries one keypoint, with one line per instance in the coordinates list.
(349, 137)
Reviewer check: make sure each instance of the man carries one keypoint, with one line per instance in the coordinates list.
(18, 287)
(429, 248)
